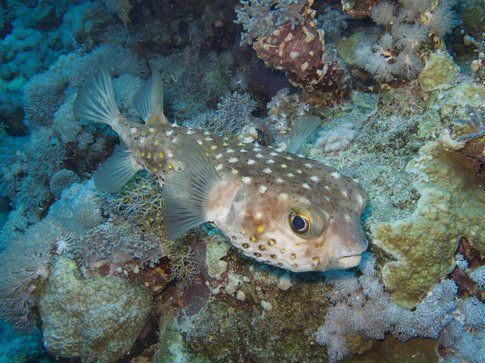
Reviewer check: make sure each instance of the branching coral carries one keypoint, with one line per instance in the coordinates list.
(261, 17)
(233, 113)
(332, 22)
(408, 24)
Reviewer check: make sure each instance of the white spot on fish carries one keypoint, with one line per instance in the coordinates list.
(142, 140)
(270, 161)
(347, 217)
(151, 130)
(267, 171)
(279, 180)
(234, 171)
(335, 175)
(272, 153)
(233, 160)
(229, 151)
(262, 189)
(251, 162)
(206, 133)
(327, 187)
(199, 142)
(190, 131)
(306, 186)
(290, 175)
(301, 156)
(168, 132)
(360, 200)
(314, 178)
(284, 166)
(208, 139)
(344, 193)
(308, 165)
(288, 157)
(259, 156)
(243, 150)
(283, 197)
(219, 167)
(133, 130)
(246, 180)
(218, 156)
(298, 171)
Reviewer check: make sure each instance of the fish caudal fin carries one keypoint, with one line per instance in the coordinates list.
(116, 171)
(96, 101)
(302, 129)
(186, 191)
(149, 99)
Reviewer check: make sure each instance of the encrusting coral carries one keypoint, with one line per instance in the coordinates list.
(424, 243)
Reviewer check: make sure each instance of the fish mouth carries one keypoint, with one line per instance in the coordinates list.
(349, 261)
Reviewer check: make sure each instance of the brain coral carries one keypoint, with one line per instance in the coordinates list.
(424, 243)
(95, 319)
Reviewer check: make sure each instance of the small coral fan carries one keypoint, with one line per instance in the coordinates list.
(408, 24)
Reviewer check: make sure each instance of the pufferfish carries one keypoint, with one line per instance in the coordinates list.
(277, 207)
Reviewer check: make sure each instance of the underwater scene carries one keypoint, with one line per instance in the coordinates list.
(242, 181)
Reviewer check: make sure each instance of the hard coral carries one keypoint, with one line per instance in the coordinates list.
(424, 244)
(95, 319)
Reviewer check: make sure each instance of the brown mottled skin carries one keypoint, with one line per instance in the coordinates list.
(259, 188)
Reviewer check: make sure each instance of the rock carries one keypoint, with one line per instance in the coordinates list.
(439, 73)
(94, 319)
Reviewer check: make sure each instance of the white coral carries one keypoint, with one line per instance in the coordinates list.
(383, 13)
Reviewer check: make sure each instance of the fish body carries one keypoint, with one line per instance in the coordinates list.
(276, 207)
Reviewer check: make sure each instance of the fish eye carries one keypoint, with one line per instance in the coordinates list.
(299, 224)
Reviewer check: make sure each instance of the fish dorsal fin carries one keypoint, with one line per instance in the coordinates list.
(149, 99)
(186, 191)
(116, 171)
(302, 129)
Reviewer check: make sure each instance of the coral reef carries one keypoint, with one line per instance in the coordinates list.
(92, 277)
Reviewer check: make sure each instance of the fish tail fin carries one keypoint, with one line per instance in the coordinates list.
(149, 99)
(186, 192)
(96, 101)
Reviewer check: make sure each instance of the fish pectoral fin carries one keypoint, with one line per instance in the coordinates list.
(302, 129)
(149, 99)
(116, 171)
(186, 191)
